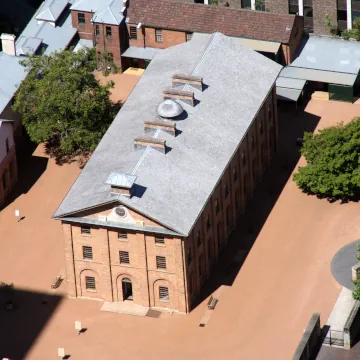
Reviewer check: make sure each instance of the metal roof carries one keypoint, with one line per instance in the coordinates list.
(329, 54)
(105, 11)
(173, 188)
(288, 94)
(121, 180)
(51, 10)
(54, 38)
(27, 45)
(11, 75)
(260, 45)
(290, 83)
(329, 77)
(146, 53)
(83, 43)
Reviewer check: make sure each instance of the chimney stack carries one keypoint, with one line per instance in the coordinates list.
(8, 44)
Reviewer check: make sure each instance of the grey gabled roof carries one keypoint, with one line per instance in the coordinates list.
(51, 10)
(27, 45)
(173, 188)
(11, 75)
(105, 11)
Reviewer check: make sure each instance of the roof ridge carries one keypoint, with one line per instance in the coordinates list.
(157, 132)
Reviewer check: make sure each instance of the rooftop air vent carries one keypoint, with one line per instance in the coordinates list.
(121, 183)
(168, 126)
(169, 109)
(186, 96)
(183, 79)
(144, 141)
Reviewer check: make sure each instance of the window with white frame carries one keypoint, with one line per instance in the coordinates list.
(158, 36)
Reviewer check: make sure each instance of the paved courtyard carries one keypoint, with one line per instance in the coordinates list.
(263, 308)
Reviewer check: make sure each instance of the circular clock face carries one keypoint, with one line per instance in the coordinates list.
(120, 211)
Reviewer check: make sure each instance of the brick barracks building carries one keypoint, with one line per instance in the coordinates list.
(150, 212)
(132, 31)
(341, 12)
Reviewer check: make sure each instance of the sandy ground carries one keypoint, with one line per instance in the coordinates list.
(262, 311)
(124, 83)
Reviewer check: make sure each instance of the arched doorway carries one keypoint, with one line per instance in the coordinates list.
(127, 289)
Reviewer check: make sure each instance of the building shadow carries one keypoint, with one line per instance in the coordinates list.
(21, 326)
(250, 223)
(30, 168)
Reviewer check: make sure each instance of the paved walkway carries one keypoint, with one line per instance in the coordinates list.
(342, 262)
(339, 315)
(126, 307)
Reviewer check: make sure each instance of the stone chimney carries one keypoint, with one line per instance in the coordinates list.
(8, 44)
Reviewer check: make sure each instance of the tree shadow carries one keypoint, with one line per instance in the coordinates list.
(265, 197)
(21, 325)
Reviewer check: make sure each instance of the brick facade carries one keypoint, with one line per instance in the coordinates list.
(321, 8)
(8, 171)
(189, 260)
(146, 37)
(277, 6)
(115, 43)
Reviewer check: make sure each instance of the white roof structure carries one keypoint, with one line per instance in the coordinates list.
(105, 11)
(51, 10)
(326, 60)
(121, 180)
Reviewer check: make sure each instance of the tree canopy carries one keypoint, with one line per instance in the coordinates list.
(62, 103)
(333, 162)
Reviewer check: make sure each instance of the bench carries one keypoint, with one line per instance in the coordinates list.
(212, 303)
(57, 281)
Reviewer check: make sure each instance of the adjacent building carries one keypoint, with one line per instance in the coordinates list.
(151, 211)
(133, 31)
(8, 166)
(316, 13)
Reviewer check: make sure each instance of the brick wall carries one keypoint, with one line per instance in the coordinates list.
(240, 178)
(277, 6)
(114, 44)
(146, 37)
(321, 8)
(8, 170)
(85, 30)
(296, 37)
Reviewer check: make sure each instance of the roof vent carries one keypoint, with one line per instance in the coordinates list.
(186, 96)
(121, 183)
(169, 109)
(168, 126)
(144, 141)
(182, 79)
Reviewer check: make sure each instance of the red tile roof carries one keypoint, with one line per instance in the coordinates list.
(175, 15)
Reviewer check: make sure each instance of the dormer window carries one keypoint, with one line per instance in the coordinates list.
(121, 184)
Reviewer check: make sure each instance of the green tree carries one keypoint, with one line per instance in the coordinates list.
(333, 162)
(61, 102)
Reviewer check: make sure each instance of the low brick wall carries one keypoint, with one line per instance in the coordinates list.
(309, 340)
(352, 326)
